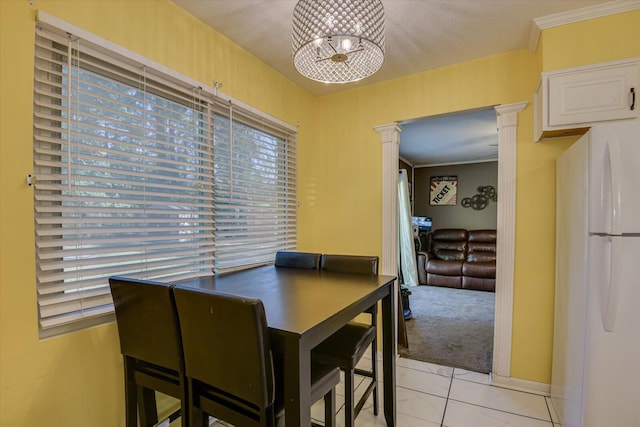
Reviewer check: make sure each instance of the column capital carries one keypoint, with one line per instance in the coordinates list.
(389, 132)
(508, 113)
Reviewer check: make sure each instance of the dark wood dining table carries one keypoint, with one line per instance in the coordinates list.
(303, 308)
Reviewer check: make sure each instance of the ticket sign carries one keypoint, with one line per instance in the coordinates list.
(443, 191)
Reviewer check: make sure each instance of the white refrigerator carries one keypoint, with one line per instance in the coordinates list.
(596, 346)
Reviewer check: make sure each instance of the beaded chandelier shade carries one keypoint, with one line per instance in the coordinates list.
(338, 41)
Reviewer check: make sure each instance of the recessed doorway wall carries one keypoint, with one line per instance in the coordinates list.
(472, 210)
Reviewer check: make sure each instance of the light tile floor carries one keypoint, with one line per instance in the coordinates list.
(429, 395)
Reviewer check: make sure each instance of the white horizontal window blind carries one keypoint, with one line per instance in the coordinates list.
(141, 175)
(255, 200)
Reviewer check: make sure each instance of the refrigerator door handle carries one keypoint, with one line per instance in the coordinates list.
(614, 170)
(611, 288)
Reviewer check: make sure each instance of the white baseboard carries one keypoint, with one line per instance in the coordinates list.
(521, 385)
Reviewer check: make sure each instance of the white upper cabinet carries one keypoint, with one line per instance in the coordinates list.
(569, 101)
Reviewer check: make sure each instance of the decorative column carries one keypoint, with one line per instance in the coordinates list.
(390, 138)
(505, 244)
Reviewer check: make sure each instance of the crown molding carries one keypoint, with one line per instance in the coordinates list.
(572, 16)
(470, 162)
(407, 161)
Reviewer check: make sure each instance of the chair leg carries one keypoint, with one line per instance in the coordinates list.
(130, 396)
(184, 408)
(374, 371)
(374, 357)
(330, 408)
(349, 398)
(204, 420)
(270, 417)
(197, 418)
(147, 407)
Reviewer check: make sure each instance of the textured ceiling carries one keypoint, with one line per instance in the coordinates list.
(467, 137)
(420, 35)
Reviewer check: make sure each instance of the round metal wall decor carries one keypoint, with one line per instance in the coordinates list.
(480, 201)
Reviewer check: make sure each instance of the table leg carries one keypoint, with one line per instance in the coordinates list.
(388, 357)
(297, 383)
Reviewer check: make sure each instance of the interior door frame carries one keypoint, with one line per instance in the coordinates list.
(507, 123)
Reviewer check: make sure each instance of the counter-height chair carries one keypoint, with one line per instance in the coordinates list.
(346, 347)
(151, 348)
(306, 260)
(230, 365)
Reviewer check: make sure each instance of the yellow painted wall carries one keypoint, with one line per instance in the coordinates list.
(592, 41)
(76, 380)
(342, 177)
(596, 40)
(343, 174)
(349, 118)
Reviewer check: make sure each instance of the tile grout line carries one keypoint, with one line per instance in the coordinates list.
(547, 401)
(533, 393)
(503, 411)
(550, 420)
(446, 402)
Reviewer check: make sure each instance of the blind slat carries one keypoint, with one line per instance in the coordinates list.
(149, 246)
(73, 276)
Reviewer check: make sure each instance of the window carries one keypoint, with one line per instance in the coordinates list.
(255, 205)
(143, 174)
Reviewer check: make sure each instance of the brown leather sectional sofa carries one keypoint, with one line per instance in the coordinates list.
(458, 258)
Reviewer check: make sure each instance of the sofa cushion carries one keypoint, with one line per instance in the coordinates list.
(479, 269)
(450, 234)
(481, 256)
(449, 244)
(482, 236)
(444, 268)
(479, 284)
(447, 254)
(446, 281)
(482, 246)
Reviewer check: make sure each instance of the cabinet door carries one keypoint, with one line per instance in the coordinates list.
(593, 95)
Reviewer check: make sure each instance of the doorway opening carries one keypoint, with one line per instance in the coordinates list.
(507, 121)
(452, 161)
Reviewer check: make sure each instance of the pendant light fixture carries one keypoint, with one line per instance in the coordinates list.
(338, 41)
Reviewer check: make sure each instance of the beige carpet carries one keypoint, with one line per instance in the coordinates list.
(451, 327)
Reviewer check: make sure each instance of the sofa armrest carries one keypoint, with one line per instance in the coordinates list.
(422, 258)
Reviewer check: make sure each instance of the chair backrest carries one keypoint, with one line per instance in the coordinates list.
(306, 260)
(350, 264)
(449, 244)
(147, 321)
(482, 246)
(226, 344)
